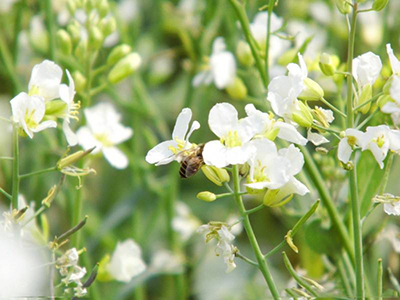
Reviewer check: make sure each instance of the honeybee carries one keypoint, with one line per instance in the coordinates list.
(191, 161)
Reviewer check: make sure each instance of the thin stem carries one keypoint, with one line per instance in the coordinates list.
(367, 102)
(246, 259)
(16, 178)
(353, 173)
(367, 119)
(331, 106)
(380, 279)
(5, 194)
(76, 216)
(255, 209)
(37, 213)
(271, 4)
(296, 277)
(27, 175)
(262, 263)
(325, 128)
(326, 199)
(244, 22)
(387, 172)
(5, 120)
(344, 277)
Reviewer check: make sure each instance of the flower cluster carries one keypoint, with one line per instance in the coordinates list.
(71, 272)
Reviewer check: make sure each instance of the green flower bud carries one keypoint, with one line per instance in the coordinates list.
(125, 67)
(80, 50)
(95, 37)
(74, 29)
(326, 65)
(64, 41)
(304, 118)
(343, 6)
(243, 53)
(387, 86)
(366, 94)
(89, 5)
(274, 198)
(312, 91)
(379, 4)
(108, 26)
(207, 196)
(382, 100)
(103, 8)
(80, 81)
(237, 89)
(55, 108)
(117, 53)
(103, 275)
(71, 6)
(216, 175)
(72, 158)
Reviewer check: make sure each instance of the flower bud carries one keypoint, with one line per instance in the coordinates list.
(72, 158)
(64, 42)
(89, 5)
(243, 53)
(50, 196)
(304, 118)
(387, 86)
(207, 196)
(379, 4)
(343, 6)
(237, 89)
(103, 8)
(55, 108)
(382, 100)
(95, 37)
(125, 67)
(117, 53)
(103, 275)
(108, 26)
(80, 81)
(366, 94)
(71, 6)
(312, 91)
(289, 241)
(80, 50)
(326, 65)
(74, 29)
(216, 175)
(275, 198)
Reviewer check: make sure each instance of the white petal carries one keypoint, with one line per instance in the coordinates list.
(394, 62)
(214, 154)
(395, 89)
(223, 68)
(160, 152)
(218, 45)
(239, 155)
(222, 118)
(204, 77)
(295, 158)
(344, 150)
(44, 125)
(120, 134)
(195, 126)
(390, 108)
(378, 154)
(392, 208)
(366, 68)
(47, 77)
(289, 133)
(315, 138)
(115, 157)
(394, 137)
(182, 124)
(71, 137)
(87, 140)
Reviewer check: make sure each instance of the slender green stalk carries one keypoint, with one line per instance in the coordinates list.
(262, 263)
(380, 279)
(367, 102)
(331, 106)
(387, 173)
(5, 194)
(325, 129)
(50, 28)
(27, 175)
(358, 252)
(76, 216)
(326, 199)
(344, 277)
(271, 4)
(367, 119)
(255, 209)
(295, 228)
(16, 178)
(296, 277)
(246, 259)
(244, 22)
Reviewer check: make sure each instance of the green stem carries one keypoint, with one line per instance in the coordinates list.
(367, 102)
(50, 28)
(271, 4)
(344, 277)
(5, 194)
(353, 173)
(380, 279)
(326, 199)
(244, 22)
(52, 169)
(387, 172)
(76, 216)
(246, 259)
(16, 178)
(262, 263)
(255, 209)
(367, 119)
(316, 126)
(331, 106)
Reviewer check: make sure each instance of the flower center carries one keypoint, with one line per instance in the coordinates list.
(29, 119)
(351, 140)
(380, 140)
(180, 145)
(34, 90)
(103, 139)
(232, 140)
(73, 110)
(259, 173)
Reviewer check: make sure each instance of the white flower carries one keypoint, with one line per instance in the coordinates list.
(126, 261)
(233, 147)
(67, 94)
(267, 168)
(316, 138)
(393, 107)
(28, 112)
(352, 138)
(394, 62)
(168, 151)
(69, 258)
(184, 222)
(79, 291)
(258, 27)
(104, 131)
(45, 80)
(224, 246)
(293, 186)
(392, 208)
(366, 69)
(272, 127)
(221, 69)
(75, 275)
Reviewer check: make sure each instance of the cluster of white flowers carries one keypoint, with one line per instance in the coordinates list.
(224, 246)
(71, 272)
